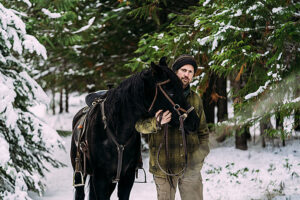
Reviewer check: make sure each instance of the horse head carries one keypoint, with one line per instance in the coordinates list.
(164, 90)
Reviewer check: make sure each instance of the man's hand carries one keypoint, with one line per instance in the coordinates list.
(166, 117)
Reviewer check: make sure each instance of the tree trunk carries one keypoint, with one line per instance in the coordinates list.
(61, 107)
(241, 137)
(242, 134)
(208, 104)
(53, 101)
(67, 99)
(297, 120)
(297, 111)
(265, 125)
(222, 101)
(279, 127)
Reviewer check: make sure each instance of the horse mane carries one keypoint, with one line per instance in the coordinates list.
(129, 93)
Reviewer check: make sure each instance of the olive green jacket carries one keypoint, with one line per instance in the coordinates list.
(197, 142)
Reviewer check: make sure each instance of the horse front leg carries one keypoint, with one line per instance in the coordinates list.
(125, 184)
(100, 188)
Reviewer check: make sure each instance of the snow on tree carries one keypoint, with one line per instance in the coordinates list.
(26, 142)
(255, 43)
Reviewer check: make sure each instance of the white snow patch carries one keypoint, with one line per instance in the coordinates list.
(206, 2)
(276, 10)
(91, 21)
(33, 45)
(260, 90)
(228, 173)
(27, 2)
(296, 100)
(50, 14)
(238, 13)
(4, 148)
(155, 47)
(196, 23)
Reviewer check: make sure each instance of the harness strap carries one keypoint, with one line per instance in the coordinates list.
(155, 96)
(103, 113)
(120, 147)
(168, 171)
(175, 106)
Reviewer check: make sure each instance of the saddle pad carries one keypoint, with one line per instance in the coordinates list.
(92, 96)
(80, 126)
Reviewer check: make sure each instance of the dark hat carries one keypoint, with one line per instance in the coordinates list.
(184, 60)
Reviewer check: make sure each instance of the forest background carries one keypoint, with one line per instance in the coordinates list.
(247, 51)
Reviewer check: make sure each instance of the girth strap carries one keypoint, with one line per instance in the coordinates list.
(120, 147)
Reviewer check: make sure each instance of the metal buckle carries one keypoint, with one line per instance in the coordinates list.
(137, 176)
(183, 116)
(82, 180)
(176, 107)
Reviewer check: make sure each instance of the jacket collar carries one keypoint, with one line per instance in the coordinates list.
(186, 91)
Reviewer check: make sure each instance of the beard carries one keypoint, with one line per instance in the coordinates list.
(185, 82)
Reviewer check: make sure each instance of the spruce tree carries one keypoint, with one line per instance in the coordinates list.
(253, 40)
(26, 142)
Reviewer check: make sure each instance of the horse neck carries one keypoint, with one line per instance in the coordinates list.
(122, 113)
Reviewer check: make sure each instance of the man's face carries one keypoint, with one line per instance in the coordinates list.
(185, 74)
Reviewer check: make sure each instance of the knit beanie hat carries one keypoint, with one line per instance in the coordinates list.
(184, 60)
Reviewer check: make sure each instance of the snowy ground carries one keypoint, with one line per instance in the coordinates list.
(228, 173)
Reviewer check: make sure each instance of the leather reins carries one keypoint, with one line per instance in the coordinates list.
(182, 117)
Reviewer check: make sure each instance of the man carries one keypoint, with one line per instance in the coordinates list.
(190, 182)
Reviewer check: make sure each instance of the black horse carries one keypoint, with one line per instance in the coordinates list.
(137, 97)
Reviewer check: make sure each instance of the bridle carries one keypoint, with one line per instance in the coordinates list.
(182, 117)
(176, 107)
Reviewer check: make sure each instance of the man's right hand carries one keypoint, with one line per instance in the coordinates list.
(166, 117)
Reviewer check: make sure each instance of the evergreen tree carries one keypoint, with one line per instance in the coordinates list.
(254, 41)
(26, 142)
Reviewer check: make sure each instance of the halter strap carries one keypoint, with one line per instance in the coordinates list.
(155, 96)
(175, 106)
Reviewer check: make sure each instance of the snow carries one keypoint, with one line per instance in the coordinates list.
(276, 10)
(228, 173)
(33, 45)
(160, 36)
(202, 41)
(18, 88)
(91, 21)
(215, 43)
(50, 14)
(29, 4)
(196, 23)
(206, 2)
(155, 47)
(238, 13)
(4, 149)
(296, 100)
(259, 91)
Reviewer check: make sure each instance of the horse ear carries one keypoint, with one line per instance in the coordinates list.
(156, 69)
(163, 61)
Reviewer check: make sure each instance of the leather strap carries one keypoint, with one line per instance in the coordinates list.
(168, 171)
(120, 149)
